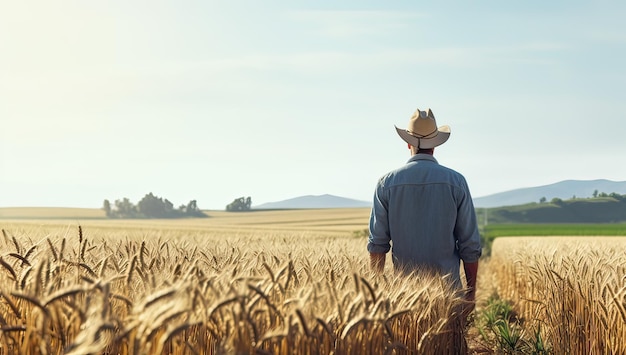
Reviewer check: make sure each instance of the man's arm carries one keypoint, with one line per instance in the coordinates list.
(379, 240)
(471, 275)
(377, 262)
(468, 239)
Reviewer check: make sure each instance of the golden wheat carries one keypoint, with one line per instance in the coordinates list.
(117, 289)
(573, 288)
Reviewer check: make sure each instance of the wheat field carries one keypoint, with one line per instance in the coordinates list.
(289, 282)
(569, 291)
(266, 282)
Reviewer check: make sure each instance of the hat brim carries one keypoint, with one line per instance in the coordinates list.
(443, 133)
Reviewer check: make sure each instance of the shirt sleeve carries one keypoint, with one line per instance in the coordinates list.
(466, 229)
(379, 238)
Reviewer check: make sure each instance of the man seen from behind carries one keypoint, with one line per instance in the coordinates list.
(425, 211)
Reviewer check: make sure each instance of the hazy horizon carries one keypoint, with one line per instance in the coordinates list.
(216, 100)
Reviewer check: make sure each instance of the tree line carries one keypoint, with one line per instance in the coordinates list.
(240, 204)
(151, 206)
(596, 194)
(602, 208)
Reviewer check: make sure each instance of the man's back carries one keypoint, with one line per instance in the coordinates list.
(425, 209)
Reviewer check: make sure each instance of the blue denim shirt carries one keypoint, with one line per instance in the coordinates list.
(426, 211)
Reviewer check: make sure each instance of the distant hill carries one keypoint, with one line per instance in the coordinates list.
(563, 190)
(610, 209)
(310, 201)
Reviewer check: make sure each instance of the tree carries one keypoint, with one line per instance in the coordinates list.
(125, 208)
(595, 193)
(106, 206)
(240, 204)
(557, 201)
(192, 206)
(192, 209)
(153, 207)
(542, 200)
(168, 205)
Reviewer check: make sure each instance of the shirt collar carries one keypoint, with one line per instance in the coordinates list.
(422, 156)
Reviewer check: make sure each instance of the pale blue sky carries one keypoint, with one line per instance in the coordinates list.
(215, 100)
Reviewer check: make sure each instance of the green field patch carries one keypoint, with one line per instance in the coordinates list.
(556, 229)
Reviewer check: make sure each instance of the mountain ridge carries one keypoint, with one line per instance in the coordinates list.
(565, 189)
(314, 201)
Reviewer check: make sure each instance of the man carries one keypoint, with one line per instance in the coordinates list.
(426, 211)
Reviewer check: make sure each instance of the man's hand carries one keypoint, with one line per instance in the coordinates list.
(470, 295)
(471, 276)
(470, 303)
(377, 262)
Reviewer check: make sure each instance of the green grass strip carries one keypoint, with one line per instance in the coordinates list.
(506, 230)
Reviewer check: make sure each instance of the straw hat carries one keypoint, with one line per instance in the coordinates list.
(422, 131)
